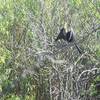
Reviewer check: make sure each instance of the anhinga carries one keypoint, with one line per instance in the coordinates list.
(67, 36)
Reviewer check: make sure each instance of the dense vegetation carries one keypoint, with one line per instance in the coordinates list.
(35, 67)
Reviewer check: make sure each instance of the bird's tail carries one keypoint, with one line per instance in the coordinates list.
(79, 50)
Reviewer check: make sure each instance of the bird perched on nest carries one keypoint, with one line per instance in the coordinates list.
(67, 36)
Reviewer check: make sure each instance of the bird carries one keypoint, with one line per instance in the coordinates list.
(61, 35)
(69, 37)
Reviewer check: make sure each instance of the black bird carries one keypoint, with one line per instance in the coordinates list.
(61, 35)
(67, 36)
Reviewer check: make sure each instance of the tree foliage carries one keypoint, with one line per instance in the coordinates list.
(35, 67)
